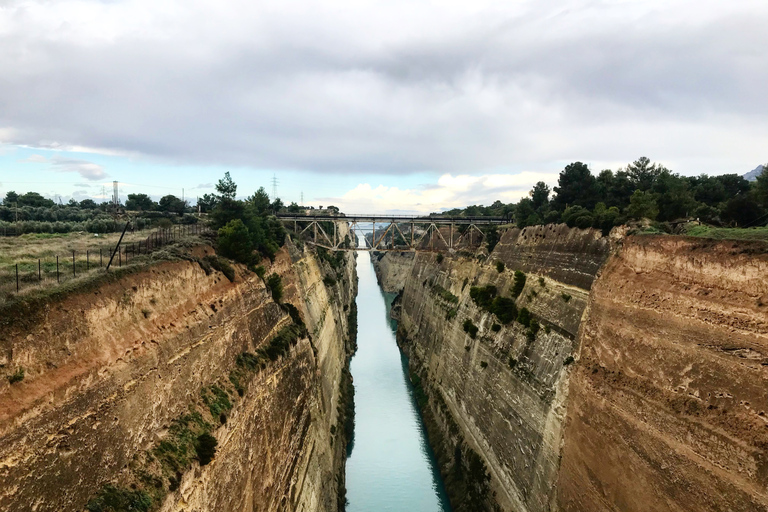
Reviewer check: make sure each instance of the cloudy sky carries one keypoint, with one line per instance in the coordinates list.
(374, 105)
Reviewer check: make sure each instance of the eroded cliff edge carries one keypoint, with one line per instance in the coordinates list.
(642, 390)
(161, 353)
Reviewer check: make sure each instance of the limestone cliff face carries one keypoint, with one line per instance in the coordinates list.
(496, 402)
(668, 404)
(110, 372)
(645, 390)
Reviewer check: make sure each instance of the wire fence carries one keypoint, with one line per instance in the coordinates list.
(51, 270)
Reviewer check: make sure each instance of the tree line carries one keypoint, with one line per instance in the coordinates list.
(642, 190)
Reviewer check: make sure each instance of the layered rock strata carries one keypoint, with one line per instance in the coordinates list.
(111, 373)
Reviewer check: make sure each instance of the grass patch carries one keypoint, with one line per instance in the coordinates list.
(757, 233)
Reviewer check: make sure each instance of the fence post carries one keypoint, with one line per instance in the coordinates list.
(57, 270)
(17, 278)
(74, 272)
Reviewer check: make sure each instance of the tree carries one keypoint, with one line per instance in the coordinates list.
(743, 210)
(171, 203)
(540, 196)
(140, 202)
(643, 174)
(575, 186)
(72, 202)
(226, 187)
(34, 199)
(260, 201)
(88, 204)
(761, 187)
(524, 212)
(207, 203)
(235, 241)
(276, 205)
(11, 198)
(642, 205)
(294, 208)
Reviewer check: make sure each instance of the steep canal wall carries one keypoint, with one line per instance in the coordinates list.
(175, 388)
(632, 382)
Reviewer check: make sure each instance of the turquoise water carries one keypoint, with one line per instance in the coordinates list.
(390, 466)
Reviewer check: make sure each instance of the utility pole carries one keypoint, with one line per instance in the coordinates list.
(302, 198)
(115, 197)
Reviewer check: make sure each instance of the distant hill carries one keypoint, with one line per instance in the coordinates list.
(754, 173)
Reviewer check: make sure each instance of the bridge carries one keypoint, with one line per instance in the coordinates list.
(416, 233)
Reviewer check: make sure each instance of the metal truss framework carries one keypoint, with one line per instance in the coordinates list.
(412, 241)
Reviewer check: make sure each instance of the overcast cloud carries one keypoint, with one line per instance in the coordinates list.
(396, 86)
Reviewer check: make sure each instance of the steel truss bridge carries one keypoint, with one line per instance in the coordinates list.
(425, 233)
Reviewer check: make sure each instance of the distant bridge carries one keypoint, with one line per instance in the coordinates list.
(416, 233)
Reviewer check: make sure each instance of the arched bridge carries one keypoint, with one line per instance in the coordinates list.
(395, 232)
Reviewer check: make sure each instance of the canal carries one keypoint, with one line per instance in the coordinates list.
(390, 466)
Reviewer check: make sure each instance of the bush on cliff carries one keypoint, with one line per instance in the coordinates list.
(116, 499)
(205, 447)
(470, 328)
(517, 289)
(235, 242)
(275, 285)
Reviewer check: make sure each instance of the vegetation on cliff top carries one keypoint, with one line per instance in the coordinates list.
(642, 189)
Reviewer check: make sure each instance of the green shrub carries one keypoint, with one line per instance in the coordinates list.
(445, 294)
(565, 297)
(235, 241)
(329, 281)
(470, 328)
(221, 265)
(16, 376)
(524, 317)
(275, 285)
(260, 271)
(495, 327)
(500, 266)
(205, 447)
(217, 401)
(542, 283)
(483, 296)
(439, 258)
(483, 364)
(568, 360)
(517, 288)
(512, 362)
(451, 314)
(504, 308)
(116, 499)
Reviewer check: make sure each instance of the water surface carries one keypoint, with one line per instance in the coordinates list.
(390, 467)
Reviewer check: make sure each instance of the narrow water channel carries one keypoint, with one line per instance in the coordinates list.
(390, 466)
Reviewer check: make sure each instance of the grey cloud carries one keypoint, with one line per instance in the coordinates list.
(494, 90)
(86, 169)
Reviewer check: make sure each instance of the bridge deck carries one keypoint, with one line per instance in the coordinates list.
(404, 219)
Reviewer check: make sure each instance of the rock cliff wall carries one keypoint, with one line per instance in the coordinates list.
(120, 383)
(668, 404)
(495, 405)
(643, 390)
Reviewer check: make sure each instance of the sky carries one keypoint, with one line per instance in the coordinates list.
(373, 106)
